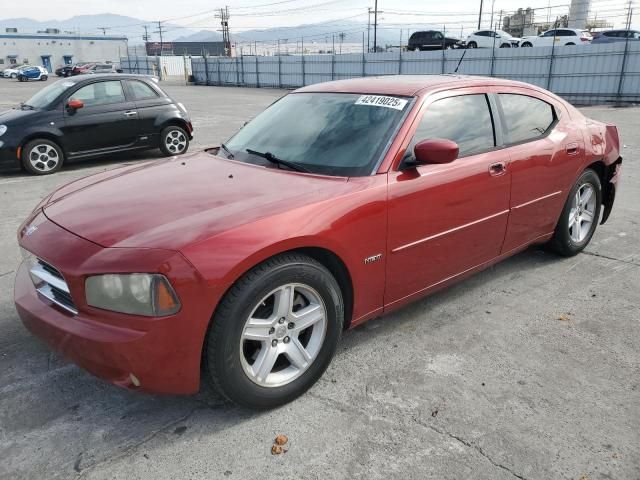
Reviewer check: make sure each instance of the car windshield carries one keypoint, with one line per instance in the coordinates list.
(48, 94)
(327, 133)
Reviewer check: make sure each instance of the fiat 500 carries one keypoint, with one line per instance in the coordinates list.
(342, 201)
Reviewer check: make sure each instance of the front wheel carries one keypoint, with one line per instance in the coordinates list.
(14, 75)
(579, 216)
(173, 140)
(527, 44)
(275, 332)
(472, 45)
(43, 78)
(505, 45)
(42, 157)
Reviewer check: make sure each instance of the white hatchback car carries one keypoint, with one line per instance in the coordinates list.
(14, 71)
(491, 39)
(558, 37)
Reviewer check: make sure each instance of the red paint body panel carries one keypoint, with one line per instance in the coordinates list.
(203, 221)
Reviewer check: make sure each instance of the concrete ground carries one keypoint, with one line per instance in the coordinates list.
(529, 370)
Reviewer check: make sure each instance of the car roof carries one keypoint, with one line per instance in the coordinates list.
(108, 76)
(407, 85)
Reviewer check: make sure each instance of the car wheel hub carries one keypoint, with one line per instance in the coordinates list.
(283, 335)
(582, 213)
(176, 141)
(43, 157)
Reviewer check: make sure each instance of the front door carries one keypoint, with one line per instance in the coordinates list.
(445, 219)
(108, 120)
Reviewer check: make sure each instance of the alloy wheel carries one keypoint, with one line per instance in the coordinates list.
(283, 335)
(582, 213)
(43, 157)
(175, 141)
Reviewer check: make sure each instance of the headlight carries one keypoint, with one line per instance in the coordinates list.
(3, 128)
(135, 293)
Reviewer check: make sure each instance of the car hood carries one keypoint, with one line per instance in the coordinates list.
(15, 116)
(179, 201)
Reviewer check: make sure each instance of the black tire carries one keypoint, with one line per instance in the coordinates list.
(44, 78)
(472, 45)
(14, 75)
(570, 43)
(181, 136)
(561, 242)
(527, 44)
(505, 45)
(42, 168)
(223, 342)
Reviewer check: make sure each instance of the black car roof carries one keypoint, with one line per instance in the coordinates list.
(109, 76)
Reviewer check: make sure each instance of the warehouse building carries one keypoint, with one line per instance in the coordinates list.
(52, 48)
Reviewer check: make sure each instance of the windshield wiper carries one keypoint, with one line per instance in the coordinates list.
(229, 154)
(278, 161)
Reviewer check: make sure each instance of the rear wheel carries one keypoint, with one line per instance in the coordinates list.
(275, 332)
(505, 45)
(579, 217)
(570, 43)
(527, 44)
(43, 78)
(14, 75)
(173, 140)
(472, 45)
(42, 157)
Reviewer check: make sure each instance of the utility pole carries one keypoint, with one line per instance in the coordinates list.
(375, 27)
(480, 15)
(145, 37)
(104, 30)
(160, 32)
(368, 29)
(224, 22)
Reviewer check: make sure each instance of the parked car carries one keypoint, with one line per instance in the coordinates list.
(13, 72)
(92, 115)
(33, 73)
(491, 39)
(558, 37)
(64, 70)
(81, 68)
(431, 40)
(613, 36)
(245, 263)
(103, 68)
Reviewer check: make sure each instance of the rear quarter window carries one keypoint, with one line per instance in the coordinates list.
(526, 118)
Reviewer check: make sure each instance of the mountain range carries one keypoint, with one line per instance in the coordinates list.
(133, 28)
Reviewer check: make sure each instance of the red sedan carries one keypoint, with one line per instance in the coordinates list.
(340, 202)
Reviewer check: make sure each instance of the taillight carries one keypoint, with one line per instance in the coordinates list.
(584, 39)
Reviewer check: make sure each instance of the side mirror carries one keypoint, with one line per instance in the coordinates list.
(437, 150)
(75, 104)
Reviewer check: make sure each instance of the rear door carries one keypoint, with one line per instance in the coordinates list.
(543, 150)
(107, 121)
(445, 219)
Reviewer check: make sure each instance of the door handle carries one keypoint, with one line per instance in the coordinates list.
(130, 113)
(497, 169)
(571, 149)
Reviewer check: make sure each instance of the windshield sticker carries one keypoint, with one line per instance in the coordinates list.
(382, 101)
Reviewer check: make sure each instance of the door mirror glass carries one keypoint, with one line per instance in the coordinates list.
(75, 104)
(436, 150)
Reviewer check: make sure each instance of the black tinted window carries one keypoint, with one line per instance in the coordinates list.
(550, 33)
(141, 90)
(566, 33)
(526, 117)
(465, 119)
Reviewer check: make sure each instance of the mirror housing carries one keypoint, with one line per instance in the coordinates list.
(436, 150)
(75, 104)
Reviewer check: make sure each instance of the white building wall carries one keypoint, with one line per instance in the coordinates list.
(31, 48)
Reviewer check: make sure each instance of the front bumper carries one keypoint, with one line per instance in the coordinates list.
(8, 152)
(156, 355)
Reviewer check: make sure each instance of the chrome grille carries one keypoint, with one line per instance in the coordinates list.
(50, 284)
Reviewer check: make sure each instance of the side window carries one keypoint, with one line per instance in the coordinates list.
(100, 93)
(526, 118)
(550, 33)
(141, 90)
(465, 119)
(438, 36)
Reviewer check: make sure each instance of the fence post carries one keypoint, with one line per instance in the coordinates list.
(550, 75)
(237, 72)
(333, 65)
(146, 61)
(303, 70)
(206, 69)
(279, 68)
(493, 54)
(444, 46)
(219, 75)
(400, 62)
(622, 69)
(257, 73)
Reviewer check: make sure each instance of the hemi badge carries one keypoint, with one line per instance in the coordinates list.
(372, 258)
